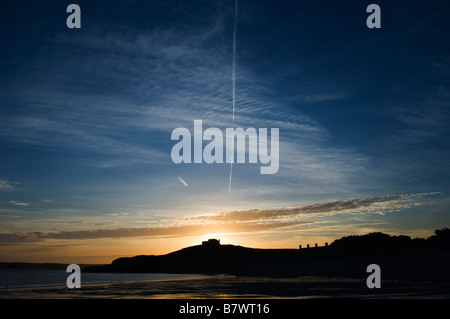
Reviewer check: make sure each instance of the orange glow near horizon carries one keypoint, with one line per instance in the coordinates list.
(255, 228)
(105, 250)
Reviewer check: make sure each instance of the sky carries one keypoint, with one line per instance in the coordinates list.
(86, 117)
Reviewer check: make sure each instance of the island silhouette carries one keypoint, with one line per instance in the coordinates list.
(400, 257)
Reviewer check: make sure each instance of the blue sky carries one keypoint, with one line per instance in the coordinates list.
(86, 117)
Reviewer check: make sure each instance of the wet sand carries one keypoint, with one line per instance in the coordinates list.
(225, 286)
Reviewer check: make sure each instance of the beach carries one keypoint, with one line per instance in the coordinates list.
(236, 287)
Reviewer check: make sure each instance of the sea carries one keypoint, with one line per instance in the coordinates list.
(21, 278)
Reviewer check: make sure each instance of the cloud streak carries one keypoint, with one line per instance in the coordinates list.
(16, 203)
(373, 204)
(5, 184)
(316, 98)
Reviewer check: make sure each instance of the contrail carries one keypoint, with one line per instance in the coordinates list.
(231, 173)
(182, 181)
(233, 74)
(233, 77)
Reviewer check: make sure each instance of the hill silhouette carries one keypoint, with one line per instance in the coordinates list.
(399, 256)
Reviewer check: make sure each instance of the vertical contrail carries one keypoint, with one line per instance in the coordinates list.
(233, 78)
(233, 74)
(231, 173)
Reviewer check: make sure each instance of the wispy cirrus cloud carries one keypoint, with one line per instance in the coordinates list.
(5, 184)
(147, 85)
(17, 203)
(173, 63)
(316, 98)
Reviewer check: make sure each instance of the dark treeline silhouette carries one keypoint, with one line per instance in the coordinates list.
(371, 240)
(441, 236)
(377, 240)
(399, 256)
